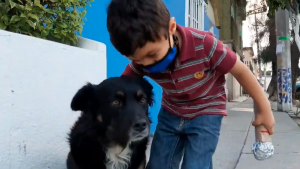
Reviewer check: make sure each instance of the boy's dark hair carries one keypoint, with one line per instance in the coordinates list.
(133, 23)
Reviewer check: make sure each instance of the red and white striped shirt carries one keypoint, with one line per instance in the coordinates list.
(196, 85)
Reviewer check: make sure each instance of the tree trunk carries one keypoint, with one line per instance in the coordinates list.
(272, 89)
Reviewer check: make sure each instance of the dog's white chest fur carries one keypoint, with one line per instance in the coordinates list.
(118, 158)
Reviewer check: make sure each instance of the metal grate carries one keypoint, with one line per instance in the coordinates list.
(196, 14)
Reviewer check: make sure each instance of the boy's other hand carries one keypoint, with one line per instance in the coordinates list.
(266, 119)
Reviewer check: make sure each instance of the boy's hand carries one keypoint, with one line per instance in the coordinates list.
(245, 77)
(266, 119)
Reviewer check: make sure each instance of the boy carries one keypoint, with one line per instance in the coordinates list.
(190, 66)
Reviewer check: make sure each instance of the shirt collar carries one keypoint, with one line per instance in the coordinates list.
(187, 50)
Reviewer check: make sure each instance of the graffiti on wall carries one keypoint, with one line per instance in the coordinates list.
(284, 79)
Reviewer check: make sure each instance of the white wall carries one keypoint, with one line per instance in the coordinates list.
(38, 79)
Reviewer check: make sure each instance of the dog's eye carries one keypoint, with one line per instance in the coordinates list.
(142, 100)
(116, 103)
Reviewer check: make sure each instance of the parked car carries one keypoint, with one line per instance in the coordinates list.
(298, 87)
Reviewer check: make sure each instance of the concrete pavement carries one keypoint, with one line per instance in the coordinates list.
(237, 136)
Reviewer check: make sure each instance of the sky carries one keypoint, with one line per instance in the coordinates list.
(248, 30)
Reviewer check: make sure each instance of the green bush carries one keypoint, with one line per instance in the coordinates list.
(59, 20)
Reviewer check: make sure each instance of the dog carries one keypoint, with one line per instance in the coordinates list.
(113, 129)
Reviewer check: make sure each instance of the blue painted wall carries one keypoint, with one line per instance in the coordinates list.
(207, 22)
(95, 29)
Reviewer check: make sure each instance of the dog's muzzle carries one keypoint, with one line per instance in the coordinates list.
(140, 130)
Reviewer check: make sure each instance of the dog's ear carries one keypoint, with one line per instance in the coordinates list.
(146, 85)
(83, 98)
(148, 88)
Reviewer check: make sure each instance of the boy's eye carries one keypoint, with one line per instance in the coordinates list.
(152, 55)
(138, 62)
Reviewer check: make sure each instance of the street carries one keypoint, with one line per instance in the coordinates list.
(237, 136)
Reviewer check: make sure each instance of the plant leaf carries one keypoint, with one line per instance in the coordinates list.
(44, 33)
(29, 1)
(60, 19)
(4, 8)
(31, 24)
(2, 25)
(33, 16)
(36, 2)
(23, 15)
(63, 25)
(5, 19)
(14, 19)
(56, 31)
(20, 7)
(63, 33)
(12, 4)
(28, 7)
(41, 7)
(57, 36)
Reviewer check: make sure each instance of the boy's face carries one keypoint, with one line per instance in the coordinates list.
(153, 52)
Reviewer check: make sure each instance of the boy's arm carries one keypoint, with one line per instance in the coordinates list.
(133, 69)
(244, 76)
(220, 57)
(223, 60)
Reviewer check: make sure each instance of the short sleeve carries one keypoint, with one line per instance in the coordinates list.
(133, 69)
(220, 57)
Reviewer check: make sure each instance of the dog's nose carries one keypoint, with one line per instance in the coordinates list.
(140, 125)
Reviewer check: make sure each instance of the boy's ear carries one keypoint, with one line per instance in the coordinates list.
(83, 98)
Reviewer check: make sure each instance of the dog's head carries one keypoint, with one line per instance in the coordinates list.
(117, 106)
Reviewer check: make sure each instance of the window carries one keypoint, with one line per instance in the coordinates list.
(195, 14)
(247, 63)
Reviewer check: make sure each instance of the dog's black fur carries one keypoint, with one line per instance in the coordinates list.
(114, 116)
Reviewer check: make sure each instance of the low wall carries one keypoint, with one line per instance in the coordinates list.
(38, 79)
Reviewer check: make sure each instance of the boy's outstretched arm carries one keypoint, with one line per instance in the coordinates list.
(224, 60)
(245, 77)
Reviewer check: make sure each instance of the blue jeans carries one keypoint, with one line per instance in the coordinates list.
(195, 140)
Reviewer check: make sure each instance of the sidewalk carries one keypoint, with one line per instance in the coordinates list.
(237, 136)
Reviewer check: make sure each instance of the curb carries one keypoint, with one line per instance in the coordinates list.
(291, 113)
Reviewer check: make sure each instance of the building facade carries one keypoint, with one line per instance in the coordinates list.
(229, 15)
(250, 60)
(189, 13)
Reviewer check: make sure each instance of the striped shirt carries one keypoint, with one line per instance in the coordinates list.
(196, 85)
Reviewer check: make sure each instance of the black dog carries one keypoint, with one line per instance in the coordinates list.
(113, 129)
